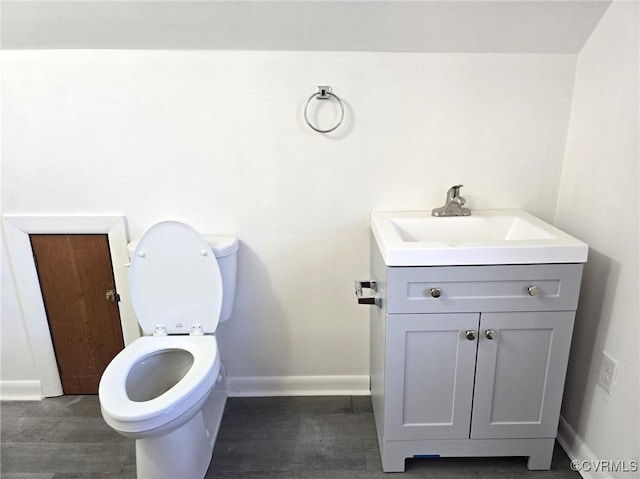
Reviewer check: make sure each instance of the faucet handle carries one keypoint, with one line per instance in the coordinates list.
(454, 195)
(454, 191)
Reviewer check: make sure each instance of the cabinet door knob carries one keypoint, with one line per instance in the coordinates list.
(435, 292)
(534, 291)
(470, 334)
(490, 334)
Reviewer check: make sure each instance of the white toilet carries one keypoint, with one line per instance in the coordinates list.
(167, 389)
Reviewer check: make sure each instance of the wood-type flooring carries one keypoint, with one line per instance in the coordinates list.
(271, 438)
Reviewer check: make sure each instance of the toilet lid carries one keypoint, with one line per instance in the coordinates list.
(174, 280)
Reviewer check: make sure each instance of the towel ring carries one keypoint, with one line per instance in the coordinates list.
(324, 93)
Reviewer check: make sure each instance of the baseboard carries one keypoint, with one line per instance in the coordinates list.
(20, 391)
(577, 450)
(298, 386)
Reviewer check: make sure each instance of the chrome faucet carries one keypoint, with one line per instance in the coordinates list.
(454, 204)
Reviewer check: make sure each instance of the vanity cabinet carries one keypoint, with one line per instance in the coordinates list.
(470, 360)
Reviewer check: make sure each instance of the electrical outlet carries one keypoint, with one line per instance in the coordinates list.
(607, 373)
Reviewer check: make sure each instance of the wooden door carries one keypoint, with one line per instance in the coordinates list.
(75, 274)
(520, 374)
(429, 375)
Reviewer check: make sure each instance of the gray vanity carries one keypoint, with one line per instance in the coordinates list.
(471, 328)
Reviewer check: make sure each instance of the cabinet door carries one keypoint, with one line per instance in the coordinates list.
(520, 374)
(430, 367)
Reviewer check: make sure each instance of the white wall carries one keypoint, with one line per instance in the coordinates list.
(598, 202)
(217, 139)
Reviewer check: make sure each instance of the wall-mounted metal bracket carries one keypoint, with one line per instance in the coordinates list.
(367, 300)
(323, 92)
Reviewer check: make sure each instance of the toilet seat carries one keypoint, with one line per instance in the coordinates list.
(175, 281)
(128, 416)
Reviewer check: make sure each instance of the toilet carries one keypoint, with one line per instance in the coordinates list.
(167, 389)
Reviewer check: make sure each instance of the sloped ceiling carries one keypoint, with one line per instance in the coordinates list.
(513, 26)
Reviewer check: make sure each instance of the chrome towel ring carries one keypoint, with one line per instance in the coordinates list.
(324, 93)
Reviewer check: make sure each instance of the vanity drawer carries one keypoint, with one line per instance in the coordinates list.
(448, 289)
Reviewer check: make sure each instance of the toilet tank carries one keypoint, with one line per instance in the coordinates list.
(225, 248)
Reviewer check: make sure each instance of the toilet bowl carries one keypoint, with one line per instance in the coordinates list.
(167, 389)
(157, 382)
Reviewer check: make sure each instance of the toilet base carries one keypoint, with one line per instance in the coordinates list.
(186, 452)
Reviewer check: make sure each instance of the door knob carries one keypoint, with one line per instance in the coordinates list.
(112, 296)
(470, 334)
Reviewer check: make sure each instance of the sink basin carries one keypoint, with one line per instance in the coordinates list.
(415, 238)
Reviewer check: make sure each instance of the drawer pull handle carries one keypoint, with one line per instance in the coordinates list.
(435, 292)
(534, 291)
(370, 299)
(490, 334)
(470, 334)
